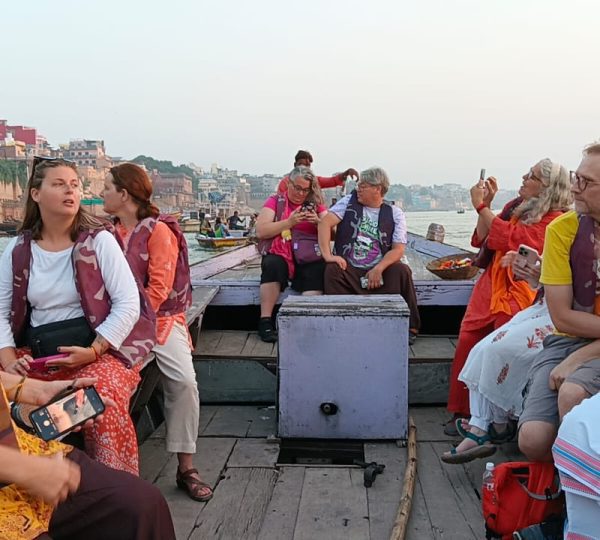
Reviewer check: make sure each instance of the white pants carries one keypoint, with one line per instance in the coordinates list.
(484, 412)
(181, 400)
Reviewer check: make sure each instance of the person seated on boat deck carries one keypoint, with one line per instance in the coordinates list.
(220, 230)
(369, 243)
(576, 453)
(70, 270)
(497, 296)
(205, 226)
(49, 490)
(287, 230)
(567, 371)
(157, 253)
(304, 158)
(234, 222)
(496, 373)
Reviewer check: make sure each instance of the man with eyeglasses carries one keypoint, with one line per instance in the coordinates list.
(304, 158)
(369, 243)
(567, 371)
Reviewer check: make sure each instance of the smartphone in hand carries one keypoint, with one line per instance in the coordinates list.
(526, 256)
(482, 175)
(38, 365)
(66, 412)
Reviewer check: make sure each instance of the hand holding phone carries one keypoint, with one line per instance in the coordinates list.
(526, 256)
(66, 412)
(38, 365)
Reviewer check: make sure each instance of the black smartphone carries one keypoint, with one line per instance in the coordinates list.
(482, 174)
(66, 412)
(308, 207)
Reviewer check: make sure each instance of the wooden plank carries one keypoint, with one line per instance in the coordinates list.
(206, 414)
(153, 459)
(432, 347)
(211, 457)
(281, 514)
(384, 496)
(419, 522)
(430, 423)
(254, 453)
(208, 342)
(238, 508)
(231, 344)
(448, 516)
(256, 347)
(333, 505)
(264, 424)
(237, 420)
(219, 263)
(201, 297)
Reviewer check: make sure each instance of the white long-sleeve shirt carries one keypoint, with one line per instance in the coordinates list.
(53, 296)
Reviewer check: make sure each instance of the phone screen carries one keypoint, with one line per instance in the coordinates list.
(66, 413)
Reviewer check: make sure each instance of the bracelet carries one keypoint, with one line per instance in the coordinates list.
(19, 388)
(480, 207)
(96, 354)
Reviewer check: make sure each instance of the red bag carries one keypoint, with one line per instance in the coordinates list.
(525, 493)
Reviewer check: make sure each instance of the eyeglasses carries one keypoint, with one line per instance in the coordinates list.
(531, 176)
(363, 185)
(581, 182)
(299, 189)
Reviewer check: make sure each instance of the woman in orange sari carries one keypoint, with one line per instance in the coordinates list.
(497, 295)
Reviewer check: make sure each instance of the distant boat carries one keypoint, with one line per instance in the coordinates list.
(460, 211)
(208, 242)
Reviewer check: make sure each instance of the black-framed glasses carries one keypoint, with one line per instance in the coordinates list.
(299, 189)
(581, 182)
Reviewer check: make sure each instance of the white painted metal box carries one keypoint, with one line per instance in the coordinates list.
(343, 367)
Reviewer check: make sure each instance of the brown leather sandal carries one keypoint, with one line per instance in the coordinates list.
(193, 486)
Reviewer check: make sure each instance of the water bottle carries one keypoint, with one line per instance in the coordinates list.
(488, 477)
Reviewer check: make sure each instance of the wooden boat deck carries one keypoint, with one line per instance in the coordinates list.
(257, 499)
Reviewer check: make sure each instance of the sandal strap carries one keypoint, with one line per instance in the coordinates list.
(479, 439)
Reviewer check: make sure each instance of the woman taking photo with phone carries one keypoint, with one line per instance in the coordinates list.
(66, 287)
(544, 195)
(157, 253)
(287, 230)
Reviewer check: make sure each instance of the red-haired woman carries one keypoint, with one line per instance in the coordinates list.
(66, 287)
(157, 253)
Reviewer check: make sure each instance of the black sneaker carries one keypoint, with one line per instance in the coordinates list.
(266, 331)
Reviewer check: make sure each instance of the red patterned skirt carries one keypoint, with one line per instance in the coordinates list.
(113, 441)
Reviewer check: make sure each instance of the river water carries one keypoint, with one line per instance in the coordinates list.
(459, 228)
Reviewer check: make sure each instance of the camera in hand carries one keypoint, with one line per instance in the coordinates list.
(308, 207)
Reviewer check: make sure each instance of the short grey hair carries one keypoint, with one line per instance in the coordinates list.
(592, 148)
(376, 176)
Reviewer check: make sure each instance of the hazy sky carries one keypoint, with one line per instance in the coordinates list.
(430, 90)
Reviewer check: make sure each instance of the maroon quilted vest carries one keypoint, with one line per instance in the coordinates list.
(180, 297)
(95, 301)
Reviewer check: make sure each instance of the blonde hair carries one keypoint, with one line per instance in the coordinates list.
(555, 195)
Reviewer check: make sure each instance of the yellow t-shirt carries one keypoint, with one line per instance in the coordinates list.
(556, 268)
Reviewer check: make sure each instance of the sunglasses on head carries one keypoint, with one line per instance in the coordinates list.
(43, 159)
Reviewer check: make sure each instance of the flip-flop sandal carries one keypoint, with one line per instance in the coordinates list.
(192, 486)
(482, 450)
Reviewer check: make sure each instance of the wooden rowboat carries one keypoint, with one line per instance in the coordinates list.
(218, 243)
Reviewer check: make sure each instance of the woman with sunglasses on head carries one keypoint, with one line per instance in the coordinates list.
(66, 287)
(287, 230)
(498, 295)
(157, 253)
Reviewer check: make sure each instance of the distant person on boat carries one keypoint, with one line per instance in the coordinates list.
(369, 243)
(157, 253)
(287, 230)
(333, 201)
(497, 295)
(234, 222)
(205, 226)
(52, 490)
(304, 159)
(67, 288)
(567, 371)
(220, 230)
(496, 374)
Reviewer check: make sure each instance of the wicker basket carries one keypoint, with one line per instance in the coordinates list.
(465, 272)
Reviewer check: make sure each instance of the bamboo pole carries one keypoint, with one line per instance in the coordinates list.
(408, 486)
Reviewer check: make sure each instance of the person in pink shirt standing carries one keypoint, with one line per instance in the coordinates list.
(156, 250)
(287, 230)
